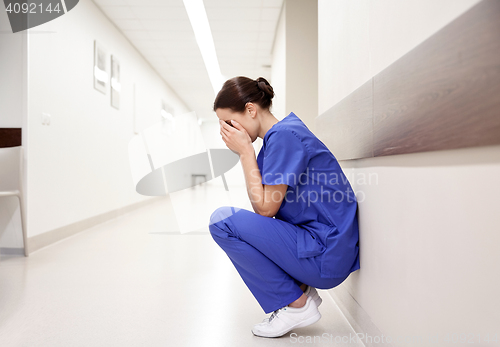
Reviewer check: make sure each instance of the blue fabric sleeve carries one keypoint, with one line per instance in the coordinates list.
(285, 159)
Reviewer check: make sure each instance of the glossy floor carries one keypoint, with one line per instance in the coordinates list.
(136, 281)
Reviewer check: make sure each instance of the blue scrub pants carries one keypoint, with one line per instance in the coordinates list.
(264, 252)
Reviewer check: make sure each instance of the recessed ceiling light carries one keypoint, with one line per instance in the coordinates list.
(199, 21)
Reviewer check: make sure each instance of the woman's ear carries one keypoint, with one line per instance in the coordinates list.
(250, 108)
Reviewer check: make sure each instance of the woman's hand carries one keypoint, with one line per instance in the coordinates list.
(236, 138)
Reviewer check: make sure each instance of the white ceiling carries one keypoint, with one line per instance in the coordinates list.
(243, 32)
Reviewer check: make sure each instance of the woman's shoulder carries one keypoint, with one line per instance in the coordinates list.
(294, 130)
(290, 125)
(286, 140)
(282, 134)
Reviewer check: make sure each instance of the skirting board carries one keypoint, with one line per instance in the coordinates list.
(359, 320)
(43, 240)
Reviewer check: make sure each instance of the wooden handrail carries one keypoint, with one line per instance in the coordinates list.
(443, 94)
(10, 137)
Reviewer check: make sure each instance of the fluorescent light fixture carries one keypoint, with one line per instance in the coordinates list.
(199, 21)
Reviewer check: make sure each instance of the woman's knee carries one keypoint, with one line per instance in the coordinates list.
(219, 229)
(220, 214)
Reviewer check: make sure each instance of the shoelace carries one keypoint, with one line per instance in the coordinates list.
(275, 314)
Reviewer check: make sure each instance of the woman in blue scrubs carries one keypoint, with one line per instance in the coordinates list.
(303, 233)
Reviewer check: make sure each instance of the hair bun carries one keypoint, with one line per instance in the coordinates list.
(238, 91)
(264, 85)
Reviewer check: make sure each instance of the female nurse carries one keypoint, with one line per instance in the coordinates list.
(303, 233)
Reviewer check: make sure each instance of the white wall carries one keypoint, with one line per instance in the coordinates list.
(428, 241)
(295, 61)
(302, 59)
(78, 166)
(278, 68)
(358, 39)
(429, 224)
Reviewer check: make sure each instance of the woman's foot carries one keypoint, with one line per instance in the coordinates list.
(287, 318)
(300, 302)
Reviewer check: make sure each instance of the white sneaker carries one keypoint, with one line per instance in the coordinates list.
(287, 318)
(311, 291)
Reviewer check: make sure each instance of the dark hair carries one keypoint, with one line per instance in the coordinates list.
(237, 91)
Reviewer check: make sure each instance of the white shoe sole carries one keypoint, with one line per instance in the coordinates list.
(305, 323)
(309, 321)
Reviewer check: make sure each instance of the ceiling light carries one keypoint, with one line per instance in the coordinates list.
(199, 21)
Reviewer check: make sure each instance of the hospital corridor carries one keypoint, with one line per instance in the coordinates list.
(135, 281)
(225, 173)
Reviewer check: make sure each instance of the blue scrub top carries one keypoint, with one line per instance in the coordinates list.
(319, 198)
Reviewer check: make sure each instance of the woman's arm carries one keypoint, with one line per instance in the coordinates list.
(266, 199)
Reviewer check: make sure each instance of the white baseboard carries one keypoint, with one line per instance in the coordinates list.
(43, 240)
(359, 320)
